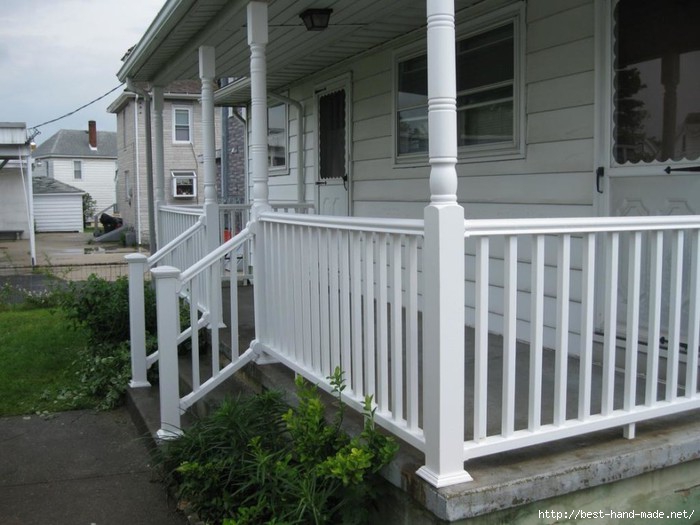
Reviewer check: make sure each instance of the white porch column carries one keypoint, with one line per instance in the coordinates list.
(443, 271)
(257, 40)
(211, 208)
(158, 158)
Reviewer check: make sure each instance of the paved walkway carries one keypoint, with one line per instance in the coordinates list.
(79, 468)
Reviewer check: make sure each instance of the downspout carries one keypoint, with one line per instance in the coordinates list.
(301, 186)
(149, 167)
(29, 198)
(138, 169)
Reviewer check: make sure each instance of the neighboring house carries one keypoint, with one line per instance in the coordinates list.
(58, 207)
(83, 159)
(573, 122)
(14, 193)
(182, 151)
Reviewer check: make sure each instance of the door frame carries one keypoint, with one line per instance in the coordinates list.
(337, 83)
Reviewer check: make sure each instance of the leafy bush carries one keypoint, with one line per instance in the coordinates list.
(103, 308)
(257, 461)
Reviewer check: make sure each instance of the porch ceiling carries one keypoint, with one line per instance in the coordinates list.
(169, 49)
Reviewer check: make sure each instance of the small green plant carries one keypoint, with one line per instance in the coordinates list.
(89, 206)
(257, 461)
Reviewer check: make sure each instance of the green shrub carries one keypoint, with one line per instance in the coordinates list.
(103, 308)
(257, 461)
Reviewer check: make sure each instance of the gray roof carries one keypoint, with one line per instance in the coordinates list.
(47, 185)
(74, 143)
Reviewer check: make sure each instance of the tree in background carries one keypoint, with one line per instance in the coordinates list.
(88, 209)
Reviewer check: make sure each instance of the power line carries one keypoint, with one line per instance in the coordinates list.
(76, 110)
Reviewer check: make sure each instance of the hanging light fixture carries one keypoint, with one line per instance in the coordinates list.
(316, 19)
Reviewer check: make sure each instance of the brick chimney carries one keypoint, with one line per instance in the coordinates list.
(92, 134)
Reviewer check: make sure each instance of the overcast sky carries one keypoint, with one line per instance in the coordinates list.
(57, 55)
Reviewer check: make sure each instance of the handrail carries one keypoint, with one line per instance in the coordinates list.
(165, 250)
(215, 255)
(485, 227)
(182, 210)
(395, 226)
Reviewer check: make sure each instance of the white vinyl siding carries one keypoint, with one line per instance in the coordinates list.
(58, 212)
(97, 178)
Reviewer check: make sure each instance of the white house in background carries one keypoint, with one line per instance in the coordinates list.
(182, 124)
(15, 190)
(58, 207)
(84, 159)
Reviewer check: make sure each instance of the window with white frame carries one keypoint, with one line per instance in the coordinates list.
(77, 170)
(656, 81)
(184, 184)
(277, 137)
(487, 69)
(182, 125)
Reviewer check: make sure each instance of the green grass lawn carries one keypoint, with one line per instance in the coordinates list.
(37, 349)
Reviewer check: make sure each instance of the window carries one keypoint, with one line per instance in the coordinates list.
(182, 127)
(184, 184)
(656, 79)
(487, 90)
(331, 136)
(77, 170)
(277, 137)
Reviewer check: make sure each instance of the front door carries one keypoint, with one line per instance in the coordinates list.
(654, 164)
(333, 178)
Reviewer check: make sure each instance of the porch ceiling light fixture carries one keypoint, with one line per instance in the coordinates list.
(316, 19)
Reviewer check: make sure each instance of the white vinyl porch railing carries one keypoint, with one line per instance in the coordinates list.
(174, 220)
(339, 291)
(203, 278)
(556, 282)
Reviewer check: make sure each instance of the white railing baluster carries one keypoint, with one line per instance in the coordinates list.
(536, 332)
(691, 380)
(610, 341)
(233, 308)
(297, 280)
(510, 296)
(481, 343)
(562, 343)
(345, 320)
(323, 298)
(306, 302)
(315, 300)
(356, 306)
(633, 287)
(587, 314)
(334, 299)
(656, 248)
(369, 324)
(674, 316)
(194, 337)
(412, 333)
(397, 383)
(382, 330)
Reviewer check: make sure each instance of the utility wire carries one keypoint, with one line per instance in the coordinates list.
(76, 110)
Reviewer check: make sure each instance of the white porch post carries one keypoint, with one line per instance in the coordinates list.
(211, 207)
(443, 317)
(257, 40)
(137, 322)
(158, 160)
(166, 279)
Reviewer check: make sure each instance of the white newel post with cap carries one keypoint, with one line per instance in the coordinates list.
(443, 270)
(257, 41)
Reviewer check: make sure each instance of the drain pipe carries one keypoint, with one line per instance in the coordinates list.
(301, 186)
(137, 171)
(149, 166)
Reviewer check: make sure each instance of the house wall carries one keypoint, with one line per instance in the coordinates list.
(58, 212)
(97, 178)
(553, 177)
(13, 203)
(177, 157)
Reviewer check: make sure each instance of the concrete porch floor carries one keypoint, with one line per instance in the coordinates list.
(505, 483)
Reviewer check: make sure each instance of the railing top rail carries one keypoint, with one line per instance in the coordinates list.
(165, 250)
(570, 225)
(378, 225)
(215, 255)
(182, 210)
(273, 205)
